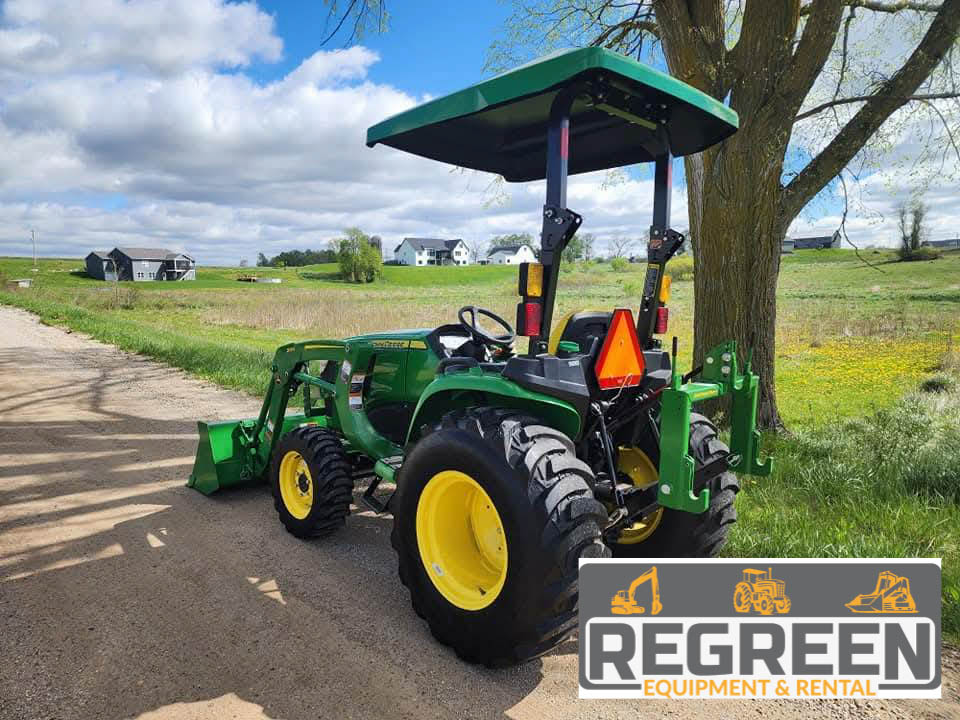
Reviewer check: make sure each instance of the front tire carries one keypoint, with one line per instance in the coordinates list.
(683, 534)
(492, 513)
(311, 482)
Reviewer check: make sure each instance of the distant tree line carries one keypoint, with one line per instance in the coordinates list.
(297, 258)
(360, 256)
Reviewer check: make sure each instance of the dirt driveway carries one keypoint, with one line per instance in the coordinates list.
(124, 594)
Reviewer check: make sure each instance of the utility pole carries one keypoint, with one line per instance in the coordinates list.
(33, 238)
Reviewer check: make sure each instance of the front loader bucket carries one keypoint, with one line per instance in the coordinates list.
(221, 456)
(865, 604)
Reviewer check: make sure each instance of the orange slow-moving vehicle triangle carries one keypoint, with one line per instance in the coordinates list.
(620, 362)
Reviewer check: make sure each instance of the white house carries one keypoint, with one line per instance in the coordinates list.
(432, 251)
(511, 255)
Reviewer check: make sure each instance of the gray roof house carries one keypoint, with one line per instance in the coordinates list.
(811, 243)
(150, 264)
(510, 255)
(949, 243)
(432, 251)
(100, 266)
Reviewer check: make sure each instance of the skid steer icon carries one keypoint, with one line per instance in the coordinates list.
(625, 601)
(892, 595)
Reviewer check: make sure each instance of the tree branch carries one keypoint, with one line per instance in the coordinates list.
(689, 55)
(894, 6)
(812, 51)
(615, 34)
(946, 127)
(864, 98)
(890, 97)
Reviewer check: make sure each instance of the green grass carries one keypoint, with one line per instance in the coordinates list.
(867, 372)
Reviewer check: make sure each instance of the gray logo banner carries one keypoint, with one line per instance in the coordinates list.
(842, 600)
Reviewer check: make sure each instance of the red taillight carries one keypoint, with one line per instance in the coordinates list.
(663, 318)
(532, 317)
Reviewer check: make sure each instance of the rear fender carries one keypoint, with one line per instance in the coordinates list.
(475, 387)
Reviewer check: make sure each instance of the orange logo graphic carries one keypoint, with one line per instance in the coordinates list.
(625, 601)
(892, 595)
(760, 592)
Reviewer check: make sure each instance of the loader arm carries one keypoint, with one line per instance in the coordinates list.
(287, 373)
(238, 451)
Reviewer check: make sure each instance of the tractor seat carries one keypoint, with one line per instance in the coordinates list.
(583, 326)
(587, 327)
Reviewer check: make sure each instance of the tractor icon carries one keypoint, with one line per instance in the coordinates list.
(759, 591)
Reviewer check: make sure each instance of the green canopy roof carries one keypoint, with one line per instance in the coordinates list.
(500, 124)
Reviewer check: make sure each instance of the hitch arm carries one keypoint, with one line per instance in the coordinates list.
(744, 437)
(678, 479)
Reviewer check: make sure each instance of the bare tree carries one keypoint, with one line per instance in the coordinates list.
(782, 64)
(621, 246)
(912, 219)
(478, 248)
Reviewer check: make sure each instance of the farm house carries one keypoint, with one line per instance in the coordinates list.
(141, 265)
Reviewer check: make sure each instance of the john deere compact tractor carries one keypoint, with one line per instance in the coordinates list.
(512, 463)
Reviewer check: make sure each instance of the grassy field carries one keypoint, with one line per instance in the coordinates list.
(867, 368)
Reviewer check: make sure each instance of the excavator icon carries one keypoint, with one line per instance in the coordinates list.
(892, 595)
(625, 601)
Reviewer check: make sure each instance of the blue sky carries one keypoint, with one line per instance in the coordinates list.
(430, 47)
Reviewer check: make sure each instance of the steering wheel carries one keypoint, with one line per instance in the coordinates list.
(481, 335)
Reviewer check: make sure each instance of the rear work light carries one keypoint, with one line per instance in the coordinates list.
(663, 318)
(665, 285)
(531, 280)
(529, 318)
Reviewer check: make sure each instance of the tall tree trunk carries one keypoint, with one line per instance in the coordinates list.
(737, 231)
(733, 189)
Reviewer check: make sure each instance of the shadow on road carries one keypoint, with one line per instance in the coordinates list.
(125, 594)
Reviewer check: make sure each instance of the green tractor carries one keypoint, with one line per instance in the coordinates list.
(510, 466)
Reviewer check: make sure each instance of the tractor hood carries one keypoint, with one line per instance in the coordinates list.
(393, 335)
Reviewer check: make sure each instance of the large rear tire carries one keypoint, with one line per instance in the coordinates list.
(311, 482)
(682, 534)
(492, 513)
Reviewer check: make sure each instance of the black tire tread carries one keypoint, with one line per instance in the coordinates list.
(332, 481)
(711, 534)
(559, 487)
(687, 535)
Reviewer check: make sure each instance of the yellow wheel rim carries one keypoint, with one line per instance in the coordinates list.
(296, 485)
(461, 540)
(642, 473)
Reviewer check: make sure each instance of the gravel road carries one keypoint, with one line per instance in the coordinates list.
(123, 594)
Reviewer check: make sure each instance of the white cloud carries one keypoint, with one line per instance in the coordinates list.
(226, 167)
(163, 36)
